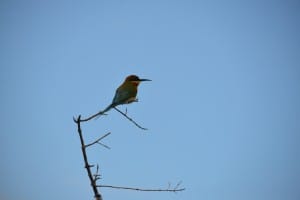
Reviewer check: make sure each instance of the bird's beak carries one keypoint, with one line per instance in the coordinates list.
(143, 79)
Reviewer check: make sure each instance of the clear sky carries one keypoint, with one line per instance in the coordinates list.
(222, 110)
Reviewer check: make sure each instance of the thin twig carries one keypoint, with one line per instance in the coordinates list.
(97, 141)
(130, 119)
(97, 175)
(142, 189)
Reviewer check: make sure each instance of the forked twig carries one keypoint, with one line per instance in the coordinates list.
(98, 141)
(124, 114)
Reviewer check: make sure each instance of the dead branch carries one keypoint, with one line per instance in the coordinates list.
(86, 163)
(95, 177)
(175, 189)
(98, 114)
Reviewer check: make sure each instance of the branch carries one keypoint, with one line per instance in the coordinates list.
(97, 141)
(93, 116)
(86, 163)
(175, 189)
(98, 114)
(130, 119)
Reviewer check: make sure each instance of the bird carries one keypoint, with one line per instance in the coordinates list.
(126, 93)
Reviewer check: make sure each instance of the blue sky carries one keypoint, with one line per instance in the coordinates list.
(222, 110)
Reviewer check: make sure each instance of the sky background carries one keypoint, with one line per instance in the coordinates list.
(223, 108)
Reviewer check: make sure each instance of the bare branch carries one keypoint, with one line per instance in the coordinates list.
(97, 141)
(93, 116)
(86, 163)
(96, 176)
(98, 114)
(176, 189)
(130, 119)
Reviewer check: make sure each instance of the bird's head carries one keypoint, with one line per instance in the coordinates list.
(135, 79)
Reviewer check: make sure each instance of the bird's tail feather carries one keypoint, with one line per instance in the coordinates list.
(107, 108)
(104, 111)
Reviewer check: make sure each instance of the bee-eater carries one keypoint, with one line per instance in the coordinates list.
(126, 92)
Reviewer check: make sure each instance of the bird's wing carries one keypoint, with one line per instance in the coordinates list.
(121, 97)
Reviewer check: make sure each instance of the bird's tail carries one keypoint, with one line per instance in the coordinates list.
(107, 108)
(104, 111)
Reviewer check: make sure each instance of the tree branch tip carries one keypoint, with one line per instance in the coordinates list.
(103, 145)
(130, 119)
(77, 120)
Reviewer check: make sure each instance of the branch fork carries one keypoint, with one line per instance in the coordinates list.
(122, 113)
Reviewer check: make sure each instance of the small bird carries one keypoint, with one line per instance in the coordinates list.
(126, 93)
